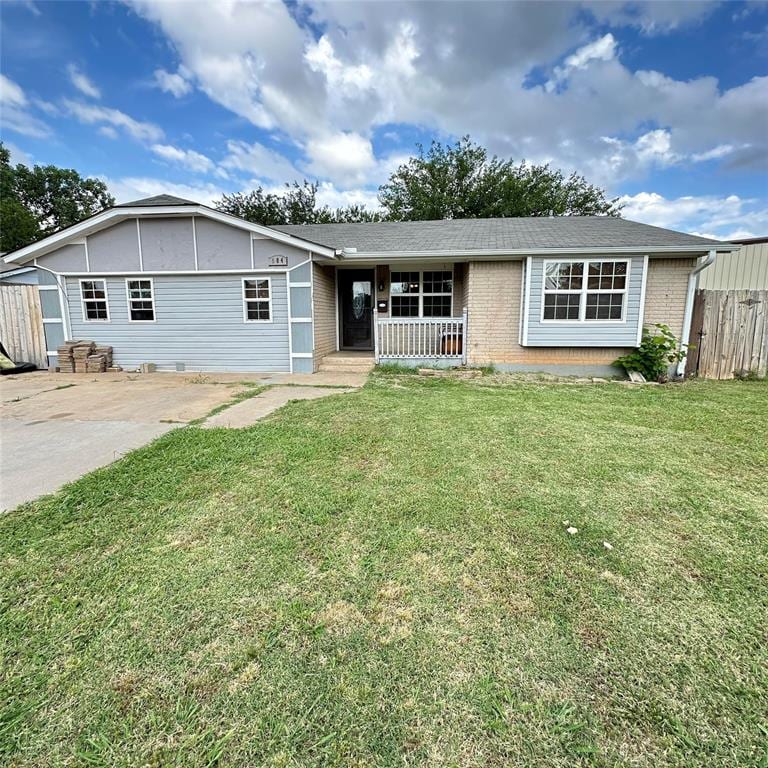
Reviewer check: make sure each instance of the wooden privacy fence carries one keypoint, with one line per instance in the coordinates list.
(21, 324)
(730, 331)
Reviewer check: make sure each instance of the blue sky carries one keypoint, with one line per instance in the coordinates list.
(664, 104)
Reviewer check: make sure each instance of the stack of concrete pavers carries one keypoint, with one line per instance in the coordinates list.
(106, 352)
(81, 352)
(84, 357)
(66, 360)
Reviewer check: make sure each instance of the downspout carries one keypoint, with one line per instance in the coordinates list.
(688, 315)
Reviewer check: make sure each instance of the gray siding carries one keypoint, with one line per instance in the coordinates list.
(586, 334)
(68, 258)
(220, 246)
(115, 249)
(26, 278)
(167, 244)
(199, 322)
(264, 247)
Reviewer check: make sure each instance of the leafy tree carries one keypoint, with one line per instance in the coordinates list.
(460, 181)
(34, 202)
(297, 205)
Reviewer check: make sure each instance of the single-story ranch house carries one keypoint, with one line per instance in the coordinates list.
(187, 287)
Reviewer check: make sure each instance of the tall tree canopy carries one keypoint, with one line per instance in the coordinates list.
(34, 202)
(297, 205)
(460, 181)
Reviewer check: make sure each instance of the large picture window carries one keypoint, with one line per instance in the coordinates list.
(141, 301)
(585, 290)
(93, 296)
(257, 298)
(421, 294)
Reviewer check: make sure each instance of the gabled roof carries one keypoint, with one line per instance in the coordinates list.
(529, 234)
(157, 206)
(148, 202)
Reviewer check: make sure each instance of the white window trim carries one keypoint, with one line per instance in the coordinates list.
(421, 293)
(84, 300)
(128, 299)
(269, 300)
(583, 291)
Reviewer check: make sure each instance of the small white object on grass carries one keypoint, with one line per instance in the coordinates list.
(572, 530)
(566, 522)
(607, 545)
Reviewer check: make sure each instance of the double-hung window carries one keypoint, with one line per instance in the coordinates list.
(585, 290)
(141, 300)
(93, 296)
(257, 300)
(421, 294)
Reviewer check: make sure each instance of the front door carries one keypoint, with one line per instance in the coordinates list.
(356, 308)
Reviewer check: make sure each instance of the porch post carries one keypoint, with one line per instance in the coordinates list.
(375, 333)
(464, 338)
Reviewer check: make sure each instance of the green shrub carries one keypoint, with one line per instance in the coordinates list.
(657, 351)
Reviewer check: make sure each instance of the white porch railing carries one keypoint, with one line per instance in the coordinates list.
(402, 338)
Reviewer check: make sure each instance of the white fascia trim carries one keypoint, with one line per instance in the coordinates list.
(643, 285)
(97, 222)
(522, 253)
(118, 275)
(527, 299)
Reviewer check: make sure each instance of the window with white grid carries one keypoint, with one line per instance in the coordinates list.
(93, 297)
(257, 299)
(421, 294)
(141, 301)
(585, 291)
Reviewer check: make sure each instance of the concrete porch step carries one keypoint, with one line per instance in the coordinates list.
(322, 368)
(347, 362)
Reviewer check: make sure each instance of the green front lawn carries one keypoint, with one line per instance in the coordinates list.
(385, 579)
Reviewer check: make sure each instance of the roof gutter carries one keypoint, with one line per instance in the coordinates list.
(353, 254)
(693, 279)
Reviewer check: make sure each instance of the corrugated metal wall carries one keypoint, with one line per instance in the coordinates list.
(745, 269)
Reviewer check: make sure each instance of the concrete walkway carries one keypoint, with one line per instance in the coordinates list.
(56, 427)
(248, 412)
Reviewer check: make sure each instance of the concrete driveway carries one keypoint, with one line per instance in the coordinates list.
(56, 427)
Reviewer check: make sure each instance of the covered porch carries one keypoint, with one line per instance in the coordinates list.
(408, 313)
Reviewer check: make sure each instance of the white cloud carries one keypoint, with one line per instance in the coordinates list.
(720, 217)
(260, 161)
(602, 49)
(464, 70)
(11, 93)
(108, 131)
(328, 194)
(82, 83)
(176, 83)
(347, 156)
(16, 114)
(94, 115)
(188, 158)
(321, 58)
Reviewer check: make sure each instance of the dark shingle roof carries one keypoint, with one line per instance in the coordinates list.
(495, 234)
(147, 202)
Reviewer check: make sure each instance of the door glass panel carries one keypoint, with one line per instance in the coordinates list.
(361, 296)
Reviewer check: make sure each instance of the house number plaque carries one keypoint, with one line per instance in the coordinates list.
(278, 261)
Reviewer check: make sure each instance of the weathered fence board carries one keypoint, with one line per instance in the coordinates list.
(21, 324)
(730, 331)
